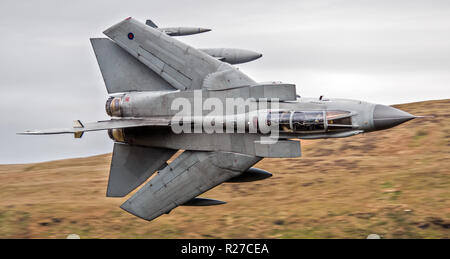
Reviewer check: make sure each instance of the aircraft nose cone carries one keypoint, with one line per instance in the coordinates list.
(385, 117)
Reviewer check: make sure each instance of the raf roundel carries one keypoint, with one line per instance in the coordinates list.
(130, 36)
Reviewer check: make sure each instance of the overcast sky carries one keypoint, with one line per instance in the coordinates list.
(379, 51)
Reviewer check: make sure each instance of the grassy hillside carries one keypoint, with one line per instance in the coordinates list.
(395, 183)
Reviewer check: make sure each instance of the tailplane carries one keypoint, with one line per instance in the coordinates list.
(124, 73)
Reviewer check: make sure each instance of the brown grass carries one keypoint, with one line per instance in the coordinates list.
(395, 183)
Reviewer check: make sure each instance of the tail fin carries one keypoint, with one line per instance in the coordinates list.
(132, 165)
(122, 72)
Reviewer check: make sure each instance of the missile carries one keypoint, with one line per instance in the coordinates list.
(228, 55)
(232, 56)
(178, 31)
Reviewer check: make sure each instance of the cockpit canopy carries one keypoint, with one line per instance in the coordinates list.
(310, 121)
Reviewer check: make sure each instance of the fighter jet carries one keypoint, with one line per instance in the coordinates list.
(229, 55)
(189, 121)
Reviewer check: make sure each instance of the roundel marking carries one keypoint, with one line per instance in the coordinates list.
(130, 36)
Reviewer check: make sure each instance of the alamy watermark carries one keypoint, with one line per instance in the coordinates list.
(236, 115)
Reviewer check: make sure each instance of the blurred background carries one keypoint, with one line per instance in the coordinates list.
(379, 51)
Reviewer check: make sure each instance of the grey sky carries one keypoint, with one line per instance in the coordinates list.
(379, 51)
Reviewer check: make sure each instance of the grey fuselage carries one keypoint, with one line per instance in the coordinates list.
(359, 117)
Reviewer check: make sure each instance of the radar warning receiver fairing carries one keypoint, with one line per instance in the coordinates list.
(170, 113)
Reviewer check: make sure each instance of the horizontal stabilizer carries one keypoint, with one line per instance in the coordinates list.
(122, 72)
(132, 165)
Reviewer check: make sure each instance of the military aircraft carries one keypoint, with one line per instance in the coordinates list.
(150, 75)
